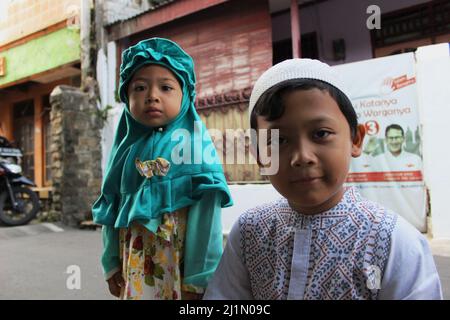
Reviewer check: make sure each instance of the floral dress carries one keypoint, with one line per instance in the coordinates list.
(152, 264)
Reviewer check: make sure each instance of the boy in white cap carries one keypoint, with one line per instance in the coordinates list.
(321, 240)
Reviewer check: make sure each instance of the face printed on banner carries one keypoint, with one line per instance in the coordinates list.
(394, 141)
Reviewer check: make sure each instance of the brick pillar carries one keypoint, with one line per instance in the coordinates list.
(76, 155)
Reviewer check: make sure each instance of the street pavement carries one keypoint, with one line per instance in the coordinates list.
(41, 261)
(36, 263)
(441, 254)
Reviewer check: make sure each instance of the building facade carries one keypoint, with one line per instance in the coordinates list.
(39, 49)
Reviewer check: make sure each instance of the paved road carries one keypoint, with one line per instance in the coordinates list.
(441, 253)
(35, 259)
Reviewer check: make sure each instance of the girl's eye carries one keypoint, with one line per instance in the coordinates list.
(322, 134)
(166, 88)
(139, 88)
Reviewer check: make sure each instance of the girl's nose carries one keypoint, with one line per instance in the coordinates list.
(152, 95)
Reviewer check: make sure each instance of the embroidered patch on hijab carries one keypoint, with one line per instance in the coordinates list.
(150, 168)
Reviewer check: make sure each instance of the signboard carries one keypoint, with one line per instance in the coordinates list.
(384, 94)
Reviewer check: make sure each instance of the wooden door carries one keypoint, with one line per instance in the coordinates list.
(24, 134)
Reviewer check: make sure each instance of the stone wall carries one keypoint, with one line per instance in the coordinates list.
(76, 155)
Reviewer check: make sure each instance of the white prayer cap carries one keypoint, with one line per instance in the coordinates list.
(295, 69)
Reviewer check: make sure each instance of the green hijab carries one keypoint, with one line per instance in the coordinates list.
(127, 195)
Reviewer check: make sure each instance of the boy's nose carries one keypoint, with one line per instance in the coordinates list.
(302, 156)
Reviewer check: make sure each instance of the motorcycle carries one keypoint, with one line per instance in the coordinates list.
(18, 203)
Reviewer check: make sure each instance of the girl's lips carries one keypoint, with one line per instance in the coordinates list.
(153, 112)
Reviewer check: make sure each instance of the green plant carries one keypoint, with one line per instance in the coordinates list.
(102, 114)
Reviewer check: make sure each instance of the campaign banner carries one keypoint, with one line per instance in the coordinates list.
(383, 92)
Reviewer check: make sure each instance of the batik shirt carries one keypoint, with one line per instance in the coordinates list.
(356, 250)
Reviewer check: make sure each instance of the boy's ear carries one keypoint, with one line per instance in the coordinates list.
(357, 140)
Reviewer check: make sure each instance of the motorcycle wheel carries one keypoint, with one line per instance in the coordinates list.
(27, 199)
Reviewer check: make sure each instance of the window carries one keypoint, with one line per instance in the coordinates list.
(282, 50)
(409, 25)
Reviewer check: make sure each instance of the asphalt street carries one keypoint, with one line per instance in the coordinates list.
(41, 262)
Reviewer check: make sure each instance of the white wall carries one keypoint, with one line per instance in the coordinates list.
(336, 19)
(106, 76)
(433, 80)
(245, 197)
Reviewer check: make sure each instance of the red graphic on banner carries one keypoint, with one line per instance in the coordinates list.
(400, 176)
(402, 81)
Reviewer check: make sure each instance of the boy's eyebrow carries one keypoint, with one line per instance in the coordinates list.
(276, 125)
(323, 119)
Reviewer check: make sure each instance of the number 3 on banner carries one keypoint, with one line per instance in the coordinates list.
(372, 127)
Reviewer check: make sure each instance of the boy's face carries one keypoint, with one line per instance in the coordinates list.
(315, 149)
(154, 95)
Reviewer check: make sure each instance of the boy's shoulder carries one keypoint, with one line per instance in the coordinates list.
(265, 210)
(372, 208)
(371, 212)
(408, 236)
(357, 204)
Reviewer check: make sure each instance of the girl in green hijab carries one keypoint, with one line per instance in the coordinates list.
(164, 186)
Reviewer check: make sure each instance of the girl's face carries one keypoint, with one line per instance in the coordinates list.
(315, 149)
(154, 95)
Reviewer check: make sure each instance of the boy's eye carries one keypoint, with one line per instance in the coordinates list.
(280, 141)
(321, 134)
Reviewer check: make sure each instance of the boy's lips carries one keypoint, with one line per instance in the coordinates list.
(305, 179)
